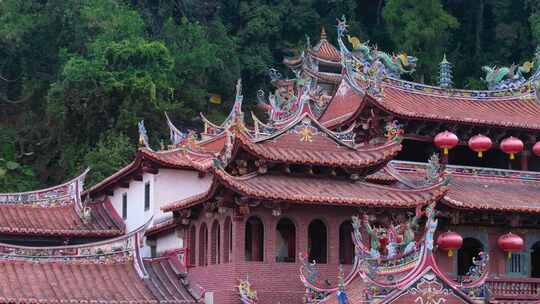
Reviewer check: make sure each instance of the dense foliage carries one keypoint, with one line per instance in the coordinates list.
(76, 76)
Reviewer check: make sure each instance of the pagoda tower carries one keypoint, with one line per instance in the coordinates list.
(445, 74)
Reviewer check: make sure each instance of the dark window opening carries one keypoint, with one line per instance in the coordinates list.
(124, 206)
(317, 241)
(470, 249)
(216, 243)
(153, 251)
(346, 245)
(147, 196)
(227, 248)
(285, 241)
(535, 260)
(192, 245)
(203, 245)
(254, 238)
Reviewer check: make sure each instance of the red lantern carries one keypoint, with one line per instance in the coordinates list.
(480, 143)
(446, 140)
(510, 243)
(450, 241)
(536, 149)
(512, 145)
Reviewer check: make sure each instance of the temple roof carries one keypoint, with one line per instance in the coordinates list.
(305, 141)
(484, 189)
(343, 106)
(105, 272)
(472, 107)
(320, 191)
(324, 50)
(58, 212)
(61, 220)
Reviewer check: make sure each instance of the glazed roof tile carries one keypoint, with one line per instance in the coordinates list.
(179, 158)
(104, 272)
(497, 194)
(484, 189)
(61, 220)
(305, 141)
(521, 112)
(161, 226)
(309, 190)
(320, 149)
(57, 211)
(325, 50)
(342, 107)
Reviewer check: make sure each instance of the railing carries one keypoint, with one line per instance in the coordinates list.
(514, 288)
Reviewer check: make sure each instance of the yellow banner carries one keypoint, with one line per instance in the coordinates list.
(215, 98)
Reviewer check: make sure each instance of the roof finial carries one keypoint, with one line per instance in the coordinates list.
(445, 73)
(143, 136)
(323, 33)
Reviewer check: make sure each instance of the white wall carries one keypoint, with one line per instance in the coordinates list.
(168, 186)
(168, 241)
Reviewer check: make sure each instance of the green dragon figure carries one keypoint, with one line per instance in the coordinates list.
(395, 65)
(500, 78)
(506, 77)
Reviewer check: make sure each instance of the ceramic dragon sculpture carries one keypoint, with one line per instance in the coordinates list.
(395, 65)
(504, 77)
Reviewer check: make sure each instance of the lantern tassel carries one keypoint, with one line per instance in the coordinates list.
(509, 255)
(445, 151)
(512, 156)
(480, 154)
(450, 252)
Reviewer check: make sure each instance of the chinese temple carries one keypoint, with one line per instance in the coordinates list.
(356, 187)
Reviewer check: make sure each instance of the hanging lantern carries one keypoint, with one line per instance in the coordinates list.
(536, 149)
(450, 241)
(512, 145)
(510, 243)
(480, 143)
(446, 140)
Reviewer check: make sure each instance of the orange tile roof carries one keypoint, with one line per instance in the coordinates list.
(343, 106)
(76, 274)
(179, 158)
(62, 220)
(321, 150)
(484, 189)
(305, 141)
(320, 191)
(326, 51)
(504, 111)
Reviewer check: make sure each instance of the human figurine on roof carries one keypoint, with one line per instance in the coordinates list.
(373, 236)
(408, 230)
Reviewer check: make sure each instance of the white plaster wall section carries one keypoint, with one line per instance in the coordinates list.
(172, 185)
(168, 241)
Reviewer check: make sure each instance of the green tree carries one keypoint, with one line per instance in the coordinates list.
(420, 28)
(110, 154)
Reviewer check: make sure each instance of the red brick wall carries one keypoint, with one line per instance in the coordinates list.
(274, 282)
(279, 282)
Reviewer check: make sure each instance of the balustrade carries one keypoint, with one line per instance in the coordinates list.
(516, 288)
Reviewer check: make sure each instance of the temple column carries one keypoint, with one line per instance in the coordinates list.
(525, 160)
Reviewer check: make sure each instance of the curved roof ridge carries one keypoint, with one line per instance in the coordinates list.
(27, 194)
(85, 250)
(480, 95)
(477, 172)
